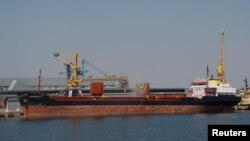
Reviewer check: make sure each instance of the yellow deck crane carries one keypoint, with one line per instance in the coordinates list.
(221, 67)
(76, 78)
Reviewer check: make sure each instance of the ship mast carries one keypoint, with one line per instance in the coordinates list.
(221, 65)
(39, 80)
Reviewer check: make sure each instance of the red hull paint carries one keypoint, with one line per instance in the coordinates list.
(43, 112)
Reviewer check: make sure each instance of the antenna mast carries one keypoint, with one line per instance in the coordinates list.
(208, 70)
(246, 83)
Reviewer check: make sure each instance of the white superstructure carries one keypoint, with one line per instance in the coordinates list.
(211, 87)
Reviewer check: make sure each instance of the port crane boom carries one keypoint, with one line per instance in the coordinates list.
(76, 78)
(94, 67)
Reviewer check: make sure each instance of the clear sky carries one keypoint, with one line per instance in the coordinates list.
(165, 42)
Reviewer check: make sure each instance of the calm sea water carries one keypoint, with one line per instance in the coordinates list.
(120, 128)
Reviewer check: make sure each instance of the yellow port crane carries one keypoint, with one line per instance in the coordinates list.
(221, 65)
(76, 78)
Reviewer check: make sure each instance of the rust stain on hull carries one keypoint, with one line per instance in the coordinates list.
(43, 112)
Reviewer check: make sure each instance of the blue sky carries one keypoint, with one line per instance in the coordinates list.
(167, 43)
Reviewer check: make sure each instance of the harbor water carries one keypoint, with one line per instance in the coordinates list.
(191, 127)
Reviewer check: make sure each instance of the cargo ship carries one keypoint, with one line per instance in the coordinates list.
(141, 101)
(212, 95)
